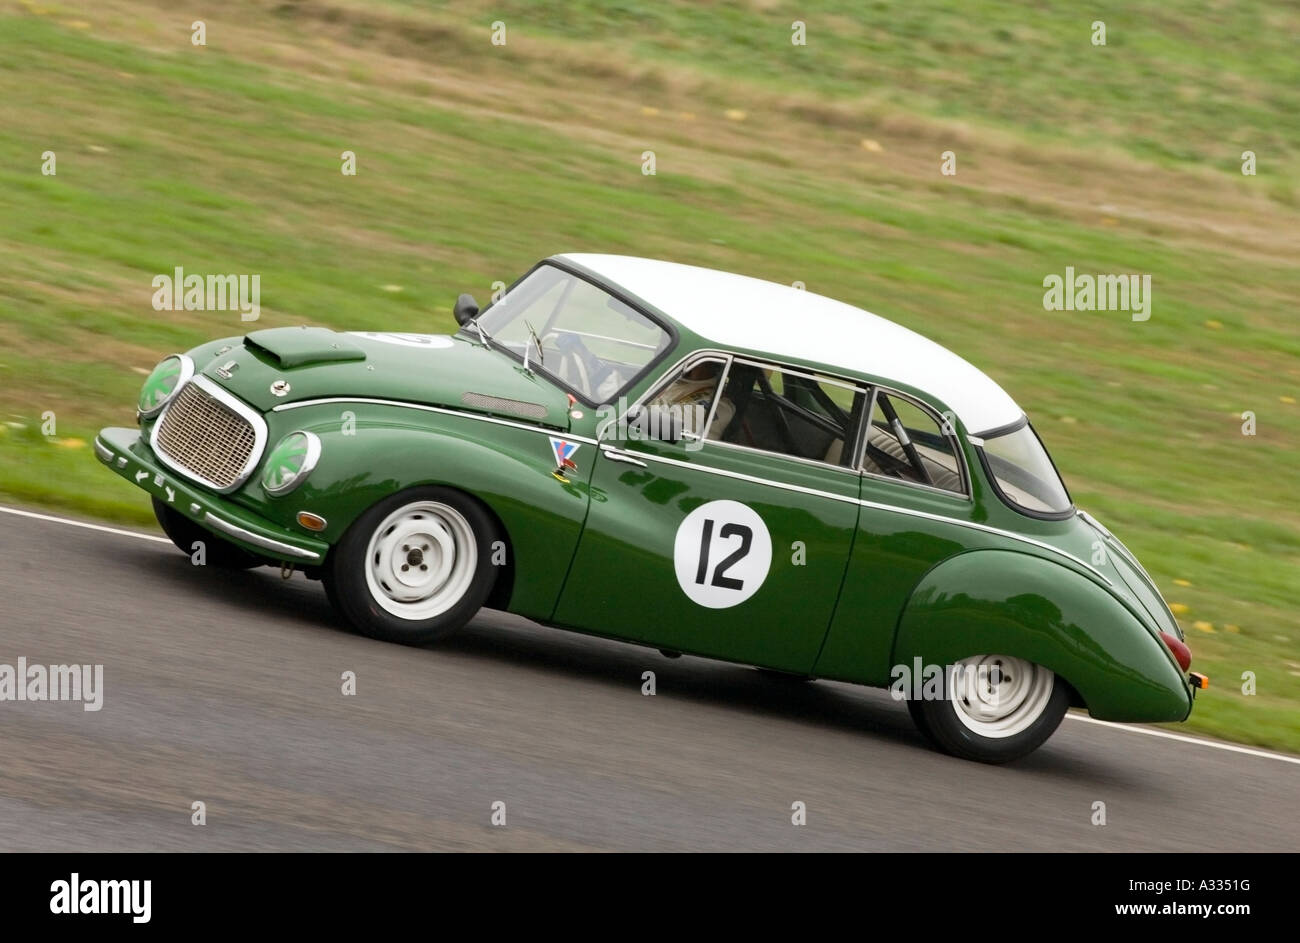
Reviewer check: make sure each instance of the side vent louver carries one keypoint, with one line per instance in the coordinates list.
(495, 404)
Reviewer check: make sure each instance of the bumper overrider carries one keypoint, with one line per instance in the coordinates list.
(122, 450)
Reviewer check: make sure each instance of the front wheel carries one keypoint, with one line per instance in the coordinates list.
(994, 708)
(415, 567)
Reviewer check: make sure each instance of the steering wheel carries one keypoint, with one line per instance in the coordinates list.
(577, 364)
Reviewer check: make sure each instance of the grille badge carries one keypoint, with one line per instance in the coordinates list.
(280, 388)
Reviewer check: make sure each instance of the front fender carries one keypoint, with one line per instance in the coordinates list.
(1008, 603)
(383, 449)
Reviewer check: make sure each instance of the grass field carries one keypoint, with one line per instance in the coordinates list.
(816, 163)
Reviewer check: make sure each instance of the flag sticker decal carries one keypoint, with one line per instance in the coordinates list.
(563, 450)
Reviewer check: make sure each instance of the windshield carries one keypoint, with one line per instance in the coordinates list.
(582, 337)
(1024, 474)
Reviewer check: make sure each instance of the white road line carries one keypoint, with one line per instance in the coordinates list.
(1183, 739)
(64, 520)
(1091, 720)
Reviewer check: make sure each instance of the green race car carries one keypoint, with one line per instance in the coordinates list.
(687, 459)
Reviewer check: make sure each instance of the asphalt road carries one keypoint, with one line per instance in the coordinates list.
(225, 688)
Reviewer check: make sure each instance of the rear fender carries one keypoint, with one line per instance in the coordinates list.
(1001, 602)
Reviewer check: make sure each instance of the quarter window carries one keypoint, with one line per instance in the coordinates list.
(908, 442)
(690, 395)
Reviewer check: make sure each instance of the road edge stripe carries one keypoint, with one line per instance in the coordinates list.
(1183, 738)
(88, 526)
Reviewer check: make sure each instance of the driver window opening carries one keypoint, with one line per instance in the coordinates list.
(908, 443)
(787, 413)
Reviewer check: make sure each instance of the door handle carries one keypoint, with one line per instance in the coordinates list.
(614, 455)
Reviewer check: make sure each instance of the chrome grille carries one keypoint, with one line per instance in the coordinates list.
(497, 404)
(204, 438)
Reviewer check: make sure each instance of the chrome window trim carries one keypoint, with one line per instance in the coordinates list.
(433, 409)
(257, 540)
(237, 406)
(187, 374)
(815, 462)
(308, 463)
(963, 496)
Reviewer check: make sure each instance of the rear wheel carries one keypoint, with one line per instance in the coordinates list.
(217, 551)
(995, 708)
(415, 567)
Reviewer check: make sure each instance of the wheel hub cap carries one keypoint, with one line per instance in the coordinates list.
(421, 560)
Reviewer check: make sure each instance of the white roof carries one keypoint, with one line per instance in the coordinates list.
(736, 311)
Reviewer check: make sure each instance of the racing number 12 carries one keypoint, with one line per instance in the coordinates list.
(720, 579)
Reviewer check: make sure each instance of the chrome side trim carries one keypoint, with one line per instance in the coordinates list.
(257, 540)
(235, 405)
(877, 506)
(431, 409)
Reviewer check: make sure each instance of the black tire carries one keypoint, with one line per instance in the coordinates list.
(939, 721)
(217, 550)
(349, 589)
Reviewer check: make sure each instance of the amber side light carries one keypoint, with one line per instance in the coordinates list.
(311, 521)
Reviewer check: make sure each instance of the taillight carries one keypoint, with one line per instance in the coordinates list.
(1182, 654)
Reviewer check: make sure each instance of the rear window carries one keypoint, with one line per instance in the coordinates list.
(1024, 474)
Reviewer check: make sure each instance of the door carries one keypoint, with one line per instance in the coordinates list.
(731, 542)
(916, 501)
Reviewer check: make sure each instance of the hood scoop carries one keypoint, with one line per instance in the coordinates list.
(288, 347)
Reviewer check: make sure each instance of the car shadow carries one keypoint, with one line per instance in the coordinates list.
(259, 591)
(830, 705)
(514, 640)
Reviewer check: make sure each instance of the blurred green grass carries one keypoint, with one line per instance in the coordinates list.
(478, 161)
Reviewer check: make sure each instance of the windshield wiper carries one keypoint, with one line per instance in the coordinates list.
(482, 334)
(541, 354)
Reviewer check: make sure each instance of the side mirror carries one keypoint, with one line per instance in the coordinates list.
(465, 308)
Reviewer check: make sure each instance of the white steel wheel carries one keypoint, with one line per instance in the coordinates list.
(998, 696)
(421, 560)
(994, 708)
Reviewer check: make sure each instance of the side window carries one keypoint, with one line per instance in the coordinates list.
(908, 442)
(787, 412)
(690, 394)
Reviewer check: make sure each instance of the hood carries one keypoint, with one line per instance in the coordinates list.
(430, 369)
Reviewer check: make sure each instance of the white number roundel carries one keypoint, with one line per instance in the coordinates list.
(722, 554)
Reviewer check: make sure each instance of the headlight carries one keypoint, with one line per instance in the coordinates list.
(290, 462)
(169, 376)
